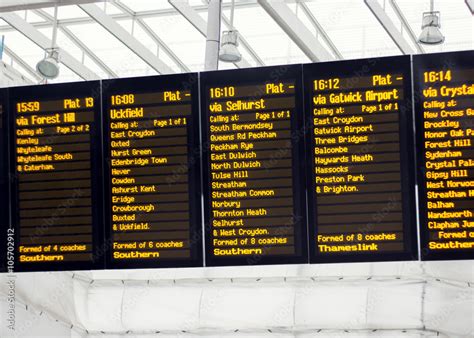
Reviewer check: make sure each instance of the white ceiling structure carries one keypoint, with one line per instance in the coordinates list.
(123, 38)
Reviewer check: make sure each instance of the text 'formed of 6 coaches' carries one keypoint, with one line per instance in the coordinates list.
(313, 163)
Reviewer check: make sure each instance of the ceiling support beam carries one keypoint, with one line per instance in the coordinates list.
(10, 76)
(17, 59)
(86, 50)
(190, 14)
(152, 34)
(389, 26)
(154, 13)
(126, 38)
(470, 5)
(320, 30)
(43, 42)
(296, 30)
(15, 5)
(147, 29)
(407, 26)
(66, 31)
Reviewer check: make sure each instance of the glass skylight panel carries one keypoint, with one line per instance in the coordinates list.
(266, 37)
(145, 5)
(353, 28)
(181, 37)
(66, 12)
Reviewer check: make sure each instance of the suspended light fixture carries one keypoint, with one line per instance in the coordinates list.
(430, 27)
(229, 42)
(48, 68)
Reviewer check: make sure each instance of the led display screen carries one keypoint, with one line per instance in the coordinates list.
(444, 110)
(153, 172)
(254, 195)
(57, 187)
(360, 160)
(275, 165)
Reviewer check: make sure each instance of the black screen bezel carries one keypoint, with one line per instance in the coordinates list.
(188, 81)
(250, 76)
(58, 92)
(364, 67)
(422, 63)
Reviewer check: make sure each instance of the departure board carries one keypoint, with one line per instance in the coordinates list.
(153, 172)
(360, 159)
(252, 127)
(4, 179)
(56, 196)
(444, 110)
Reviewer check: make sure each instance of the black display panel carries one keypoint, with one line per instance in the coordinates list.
(4, 179)
(254, 196)
(360, 160)
(57, 190)
(153, 181)
(444, 110)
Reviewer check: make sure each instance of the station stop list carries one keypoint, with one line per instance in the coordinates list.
(360, 204)
(56, 190)
(445, 129)
(252, 192)
(154, 193)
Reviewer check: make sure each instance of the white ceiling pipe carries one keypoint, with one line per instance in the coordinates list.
(211, 61)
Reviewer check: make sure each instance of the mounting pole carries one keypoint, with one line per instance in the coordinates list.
(211, 61)
(55, 28)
